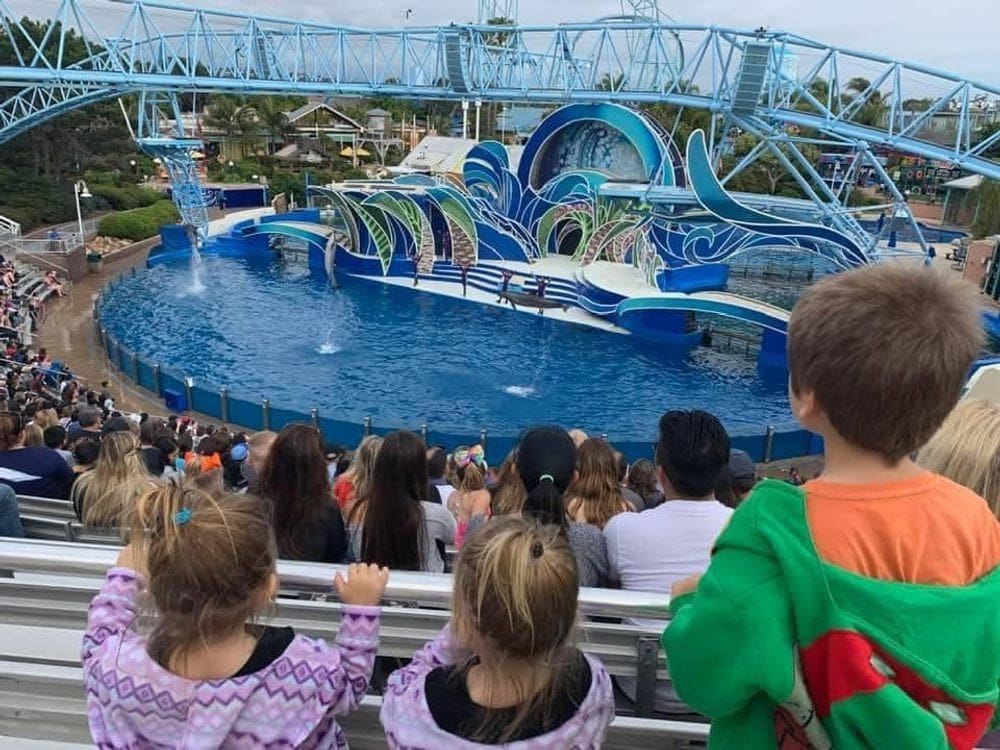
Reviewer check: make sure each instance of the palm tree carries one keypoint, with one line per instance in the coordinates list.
(874, 107)
(611, 83)
(272, 119)
(232, 115)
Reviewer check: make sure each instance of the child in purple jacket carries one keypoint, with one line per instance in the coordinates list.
(202, 678)
(504, 671)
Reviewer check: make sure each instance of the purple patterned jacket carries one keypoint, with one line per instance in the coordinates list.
(409, 725)
(132, 702)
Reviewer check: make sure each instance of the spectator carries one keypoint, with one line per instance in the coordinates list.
(150, 429)
(169, 452)
(208, 565)
(38, 472)
(33, 436)
(652, 550)
(628, 494)
(104, 496)
(89, 421)
(507, 496)
(966, 448)
(511, 639)
(259, 448)
(546, 466)
(45, 418)
(794, 477)
(392, 523)
(85, 455)
(877, 576)
(437, 463)
(595, 497)
(737, 480)
(643, 482)
(471, 498)
(10, 519)
(357, 480)
(333, 453)
(307, 525)
(55, 438)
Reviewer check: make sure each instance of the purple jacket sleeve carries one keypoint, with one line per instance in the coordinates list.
(444, 649)
(112, 611)
(351, 660)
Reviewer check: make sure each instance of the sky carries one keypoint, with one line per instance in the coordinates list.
(954, 35)
(958, 36)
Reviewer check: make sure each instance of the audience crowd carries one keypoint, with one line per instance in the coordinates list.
(881, 576)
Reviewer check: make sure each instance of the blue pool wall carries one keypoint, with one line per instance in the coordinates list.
(181, 393)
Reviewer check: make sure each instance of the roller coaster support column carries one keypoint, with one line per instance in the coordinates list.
(901, 204)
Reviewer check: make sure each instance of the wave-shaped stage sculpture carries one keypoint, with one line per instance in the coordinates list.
(561, 211)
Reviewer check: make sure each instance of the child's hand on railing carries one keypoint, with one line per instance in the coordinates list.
(363, 586)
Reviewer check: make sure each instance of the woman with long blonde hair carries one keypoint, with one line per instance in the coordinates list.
(506, 669)
(966, 450)
(355, 484)
(104, 497)
(595, 497)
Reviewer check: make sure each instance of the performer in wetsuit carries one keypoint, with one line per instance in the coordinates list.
(505, 286)
(464, 266)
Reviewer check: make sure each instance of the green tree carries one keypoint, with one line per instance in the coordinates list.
(873, 110)
(987, 197)
(231, 115)
(273, 121)
(611, 83)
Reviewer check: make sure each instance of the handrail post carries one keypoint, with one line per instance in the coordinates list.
(647, 656)
(135, 367)
(157, 380)
(768, 444)
(188, 394)
(482, 439)
(224, 404)
(423, 432)
(265, 414)
(367, 426)
(314, 417)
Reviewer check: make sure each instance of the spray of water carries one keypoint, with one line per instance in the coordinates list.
(328, 347)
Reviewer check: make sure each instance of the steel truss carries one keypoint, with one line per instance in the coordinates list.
(797, 86)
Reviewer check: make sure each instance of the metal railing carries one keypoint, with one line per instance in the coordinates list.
(72, 559)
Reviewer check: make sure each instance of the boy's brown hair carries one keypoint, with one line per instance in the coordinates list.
(886, 350)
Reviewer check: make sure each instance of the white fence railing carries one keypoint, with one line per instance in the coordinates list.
(9, 226)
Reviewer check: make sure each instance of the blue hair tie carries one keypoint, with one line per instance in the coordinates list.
(182, 516)
(543, 477)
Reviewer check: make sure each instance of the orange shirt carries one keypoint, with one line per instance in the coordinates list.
(925, 530)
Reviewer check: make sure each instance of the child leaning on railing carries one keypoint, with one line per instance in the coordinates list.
(202, 677)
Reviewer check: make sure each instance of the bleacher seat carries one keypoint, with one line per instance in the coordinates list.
(43, 614)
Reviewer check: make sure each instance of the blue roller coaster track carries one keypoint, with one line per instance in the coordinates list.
(783, 88)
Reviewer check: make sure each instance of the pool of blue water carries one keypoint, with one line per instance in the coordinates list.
(406, 357)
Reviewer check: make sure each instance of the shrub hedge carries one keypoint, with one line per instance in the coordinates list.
(127, 197)
(139, 223)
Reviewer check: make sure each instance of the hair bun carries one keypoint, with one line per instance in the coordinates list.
(537, 549)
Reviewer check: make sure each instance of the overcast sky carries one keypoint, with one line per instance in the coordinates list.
(954, 35)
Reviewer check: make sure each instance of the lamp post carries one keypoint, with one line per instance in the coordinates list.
(80, 191)
(135, 167)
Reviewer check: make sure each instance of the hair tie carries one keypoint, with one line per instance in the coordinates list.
(537, 550)
(545, 477)
(182, 516)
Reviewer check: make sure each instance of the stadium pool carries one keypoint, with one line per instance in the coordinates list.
(406, 357)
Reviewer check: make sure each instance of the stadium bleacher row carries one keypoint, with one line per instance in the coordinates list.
(49, 585)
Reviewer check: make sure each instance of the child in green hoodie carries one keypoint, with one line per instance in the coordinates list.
(861, 610)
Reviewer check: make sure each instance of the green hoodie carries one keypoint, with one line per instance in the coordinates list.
(774, 638)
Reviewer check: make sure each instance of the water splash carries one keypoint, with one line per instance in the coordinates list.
(328, 346)
(521, 391)
(196, 286)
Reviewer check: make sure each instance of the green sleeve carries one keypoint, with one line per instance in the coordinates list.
(732, 639)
